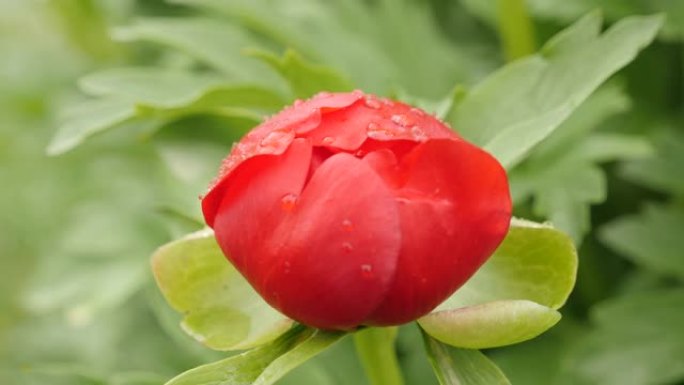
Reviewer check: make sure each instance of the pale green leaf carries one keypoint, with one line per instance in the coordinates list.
(489, 325)
(221, 309)
(454, 366)
(263, 365)
(535, 262)
(652, 239)
(522, 103)
(305, 78)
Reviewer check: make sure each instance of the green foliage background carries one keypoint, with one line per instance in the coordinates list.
(77, 301)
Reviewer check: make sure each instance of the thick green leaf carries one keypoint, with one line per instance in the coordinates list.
(521, 104)
(454, 366)
(221, 309)
(638, 340)
(489, 325)
(652, 239)
(535, 262)
(304, 78)
(263, 365)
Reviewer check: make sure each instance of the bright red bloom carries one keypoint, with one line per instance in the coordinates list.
(347, 210)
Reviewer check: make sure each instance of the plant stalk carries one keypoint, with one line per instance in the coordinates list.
(515, 29)
(375, 347)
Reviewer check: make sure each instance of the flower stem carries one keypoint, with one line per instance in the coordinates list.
(515, 29)
(375, 347)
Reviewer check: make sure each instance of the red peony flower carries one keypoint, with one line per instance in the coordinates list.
(347, 210)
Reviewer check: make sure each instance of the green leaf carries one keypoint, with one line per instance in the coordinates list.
(563, 176)
(489, 325)
(535, 262)
(455, 366)
(221, 309)
(522, 103)
(161, 88)
(304, 78)
(642, 332)
(157, 87)
(263, 365)
(215, 43)
(567, 11)
(88, 119)
(651, 239)
(663, 171)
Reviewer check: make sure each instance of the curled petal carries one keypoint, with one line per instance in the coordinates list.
(251, 205)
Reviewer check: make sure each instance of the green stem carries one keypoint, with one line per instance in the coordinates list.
(515, 29)
(375, 347)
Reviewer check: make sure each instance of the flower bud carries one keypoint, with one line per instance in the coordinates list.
(347, 209)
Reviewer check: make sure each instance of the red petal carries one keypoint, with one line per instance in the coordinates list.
(455, 210)
(337, 251)
(250, 206)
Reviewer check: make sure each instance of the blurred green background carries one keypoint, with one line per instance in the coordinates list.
(78, 304)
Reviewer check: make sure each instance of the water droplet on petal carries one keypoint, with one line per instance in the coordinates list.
(286, 267)
(367, 270)
(372, 102)
(275, 139)
(401, 120)
(298, 102)
(288, 202)
(375, 132)
(418, 133)
(347, 247)
(417, 111)
(328, 140)
(347, 225)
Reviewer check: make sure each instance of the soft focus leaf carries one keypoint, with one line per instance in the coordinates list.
(221, 309)
(88, 119)
(535, 262)
(263, 365)
(212, 42)
(663, 171)
(638, 339)
(489, 325)
(533, 96)
(652, 239)
(454, 366)
(304, 78)
(614, 9)
(562, 174)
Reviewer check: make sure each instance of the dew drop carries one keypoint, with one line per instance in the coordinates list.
(347, 225)
(418, 133)
(372, 102)
(298, 102)
(287, 265)
(401, 120)
(288, 202)
(375, 132)
(275, 139)
(347, 247)
(367, 270)
(328, 140)
(417, 111)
